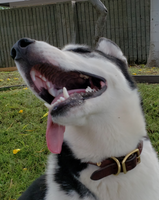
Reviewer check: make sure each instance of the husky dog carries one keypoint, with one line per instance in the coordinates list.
(96, 127)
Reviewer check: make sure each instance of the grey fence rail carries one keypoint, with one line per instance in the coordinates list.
(128, 24)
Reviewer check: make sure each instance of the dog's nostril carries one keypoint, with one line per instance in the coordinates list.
(25, 42)
(13, 53)
(19, 48)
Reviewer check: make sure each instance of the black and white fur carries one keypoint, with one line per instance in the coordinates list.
(111, 124)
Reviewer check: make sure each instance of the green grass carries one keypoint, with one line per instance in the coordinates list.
(143, 70)
(150, 95)
(10, 78)
(26, 131)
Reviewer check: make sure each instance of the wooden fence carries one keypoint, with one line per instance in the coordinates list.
(128, 24)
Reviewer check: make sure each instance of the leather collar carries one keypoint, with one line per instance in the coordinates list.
(116, 165)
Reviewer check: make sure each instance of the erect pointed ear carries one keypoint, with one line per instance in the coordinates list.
(110, 48)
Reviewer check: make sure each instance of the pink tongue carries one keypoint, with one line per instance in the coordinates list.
(55, 132)
(54, 136)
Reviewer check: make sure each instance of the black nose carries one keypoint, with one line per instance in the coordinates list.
(19, 48)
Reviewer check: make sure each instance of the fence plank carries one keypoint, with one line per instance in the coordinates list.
(138, 23)
(147, 26)
(128, 24)
(143, 38)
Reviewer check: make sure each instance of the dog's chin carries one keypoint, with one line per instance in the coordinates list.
(71, 118)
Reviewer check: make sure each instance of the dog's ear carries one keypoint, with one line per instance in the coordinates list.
(110, 48)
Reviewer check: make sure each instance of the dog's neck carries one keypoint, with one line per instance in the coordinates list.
(97, 142)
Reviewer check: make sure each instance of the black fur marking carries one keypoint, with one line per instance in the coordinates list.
(81, 50)
(36, 191)
(67, 173)
(122, 65)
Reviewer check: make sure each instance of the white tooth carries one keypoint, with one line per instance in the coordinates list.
(48, 84)
(62, 99)
(52, 91)
(48, 105)
(44, 79)
(40, 76)
(58, 101)
(32, 73)
(88, 89)
(65, 93)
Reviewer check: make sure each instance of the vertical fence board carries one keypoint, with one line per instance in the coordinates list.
(116, 22)
(107, 31)
(147, 26)
(138, 23)
(2, 38)
(134, 31)
(63, 24)
(7, 36)
(87, 18)
(112, 20)
(92, 24)
(66, 16)
(130, 35)
(53, 26)
(80, 24)
(128, 24)
(125, 28)
(143, 38)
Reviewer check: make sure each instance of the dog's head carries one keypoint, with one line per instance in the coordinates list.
(78, 84)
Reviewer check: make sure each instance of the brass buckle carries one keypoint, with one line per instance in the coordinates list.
(127, 156)
(118, 164)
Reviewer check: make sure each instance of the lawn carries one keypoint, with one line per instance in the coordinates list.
(23, 126)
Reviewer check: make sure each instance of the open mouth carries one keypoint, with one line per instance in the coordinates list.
(60, 88)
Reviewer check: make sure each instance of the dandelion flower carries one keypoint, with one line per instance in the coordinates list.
(20, 111)
(25, 88)
(134, 73)
(24, 169)
(1, 80)
(8, 79)
(15, 151)
(45, 115)
(16, 78)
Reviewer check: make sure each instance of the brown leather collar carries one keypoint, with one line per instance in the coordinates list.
(115, 165)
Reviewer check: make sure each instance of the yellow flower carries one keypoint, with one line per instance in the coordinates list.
(45, 115)
(140, 70)
(15, 151)
(1, 80)
(25, 88)
(24, 169)
(16, 78)
(20, 111)
(134, 73)
(8, 79)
